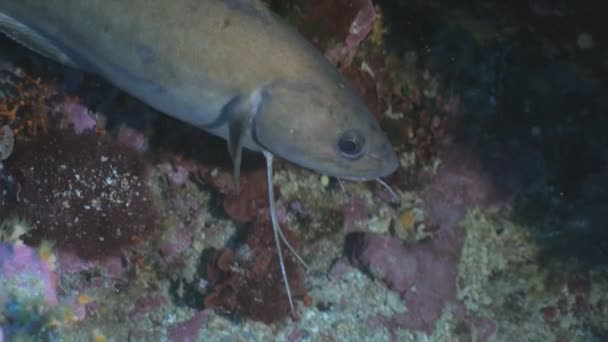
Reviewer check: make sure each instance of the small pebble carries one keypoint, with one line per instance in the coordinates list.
(324, 181)
(7, 142)
(393, 300)
(299, 335)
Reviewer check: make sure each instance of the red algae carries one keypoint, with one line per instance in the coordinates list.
(244, 206)
(85, 192)
(250, 284)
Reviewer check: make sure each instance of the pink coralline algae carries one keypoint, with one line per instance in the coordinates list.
(359, 29)
(189, 330)
(110, 266)
(461, 182)
(176, 241)
(22, 268)
(148, 303)
(176, 174)
(28, 289)
(424, 273)
(132, 138)
(30, 300)
(575, 300)
(77, 116)
(355, 214)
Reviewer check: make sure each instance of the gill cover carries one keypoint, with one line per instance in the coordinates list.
(327, 129)
(284, 126)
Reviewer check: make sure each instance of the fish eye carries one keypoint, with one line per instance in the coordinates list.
(351, 144)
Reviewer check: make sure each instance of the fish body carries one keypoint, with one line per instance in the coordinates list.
(230, 67)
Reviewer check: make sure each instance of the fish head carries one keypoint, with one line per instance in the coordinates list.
(327, 129)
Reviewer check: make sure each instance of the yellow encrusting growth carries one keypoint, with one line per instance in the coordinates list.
(83, 299)
(405, 224)
(98, 336)
(376, 36)
(45, 251)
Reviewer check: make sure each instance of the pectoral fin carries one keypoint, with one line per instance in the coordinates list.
(238, 114)
(238, 129)
(35, 41)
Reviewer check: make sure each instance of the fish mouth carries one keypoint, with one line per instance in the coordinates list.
(388, 165)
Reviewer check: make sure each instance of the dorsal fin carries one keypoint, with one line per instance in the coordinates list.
(33, 40)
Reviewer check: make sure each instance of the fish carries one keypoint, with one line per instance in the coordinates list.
(230, 67)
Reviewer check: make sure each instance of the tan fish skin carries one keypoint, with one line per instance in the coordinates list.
(230, 67)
